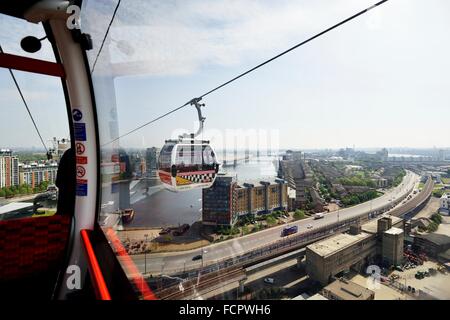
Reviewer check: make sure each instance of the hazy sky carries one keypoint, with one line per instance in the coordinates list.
(379, 81)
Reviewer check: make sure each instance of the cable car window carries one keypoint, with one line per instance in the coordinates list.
(168, 76)
(35, 132)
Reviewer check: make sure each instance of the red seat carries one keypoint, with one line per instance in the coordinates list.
(32, 246)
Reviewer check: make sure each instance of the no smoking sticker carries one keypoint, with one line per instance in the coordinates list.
(80, 148)
(81, 171)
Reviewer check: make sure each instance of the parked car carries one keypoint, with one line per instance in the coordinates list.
(309, 226)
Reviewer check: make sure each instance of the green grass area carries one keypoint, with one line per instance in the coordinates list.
(421, 185)
(446, 180)
(44, 212)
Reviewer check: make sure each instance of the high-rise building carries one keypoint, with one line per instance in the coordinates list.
(9, 169)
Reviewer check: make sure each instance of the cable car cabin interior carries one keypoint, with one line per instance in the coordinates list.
(184, 165)
(62, 252)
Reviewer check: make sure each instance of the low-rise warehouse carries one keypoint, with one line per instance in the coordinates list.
(342, 289)
(325, 259)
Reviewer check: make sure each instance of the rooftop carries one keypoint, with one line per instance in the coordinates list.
(394, 231)
(317, 296)
(337, 243)
(372, 225)
(259, 182)
(348, 290)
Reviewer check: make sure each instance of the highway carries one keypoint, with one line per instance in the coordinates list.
(172, 262)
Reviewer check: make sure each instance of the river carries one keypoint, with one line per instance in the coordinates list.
(166, 208)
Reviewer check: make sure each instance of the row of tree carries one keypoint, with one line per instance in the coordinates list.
(23, 189)
(358, 198)
(357, 181)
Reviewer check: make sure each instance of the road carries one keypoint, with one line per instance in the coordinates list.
(171, 262)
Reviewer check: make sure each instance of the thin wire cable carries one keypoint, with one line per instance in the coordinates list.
(106, 35)
(26, 105)
(254, 68)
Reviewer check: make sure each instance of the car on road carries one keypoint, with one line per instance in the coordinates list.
(269, 280)
(319, 215)
(289, 230)
(197, 257)
(309, 226)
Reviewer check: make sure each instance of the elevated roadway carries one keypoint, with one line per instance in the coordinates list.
(249, 248)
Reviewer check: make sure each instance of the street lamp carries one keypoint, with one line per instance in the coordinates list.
(145, 254)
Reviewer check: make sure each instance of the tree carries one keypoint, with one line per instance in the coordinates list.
(8, 193)
(299, 214)
(271, 220)
(2, 193)
(433, 226)
(437, 218)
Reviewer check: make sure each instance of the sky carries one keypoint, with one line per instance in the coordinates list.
(379, 81)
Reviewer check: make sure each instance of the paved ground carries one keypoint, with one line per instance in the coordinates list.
(444, 227)
(155, 243)
(431, 207)
(438, 285)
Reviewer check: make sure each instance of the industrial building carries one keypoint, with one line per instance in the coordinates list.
(378, 239)
(327, 258)
(392, 246)
(343, 289)
(227, 200)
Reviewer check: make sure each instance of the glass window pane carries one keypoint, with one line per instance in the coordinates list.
(27, 176)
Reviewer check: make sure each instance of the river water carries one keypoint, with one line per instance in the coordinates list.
(165, 208)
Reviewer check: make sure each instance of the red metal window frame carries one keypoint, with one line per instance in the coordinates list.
(15, 62)
(98, 282)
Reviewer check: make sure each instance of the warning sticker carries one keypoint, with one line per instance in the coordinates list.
(82, 160)
(80, 131)
(81, 172)
(82, 188)
(80, 148)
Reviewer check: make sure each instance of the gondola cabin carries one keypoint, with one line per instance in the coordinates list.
(187, 164)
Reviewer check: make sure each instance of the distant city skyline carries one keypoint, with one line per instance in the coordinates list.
(380, 81)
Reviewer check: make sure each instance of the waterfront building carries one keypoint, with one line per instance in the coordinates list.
(35, 173)
(227, 200)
